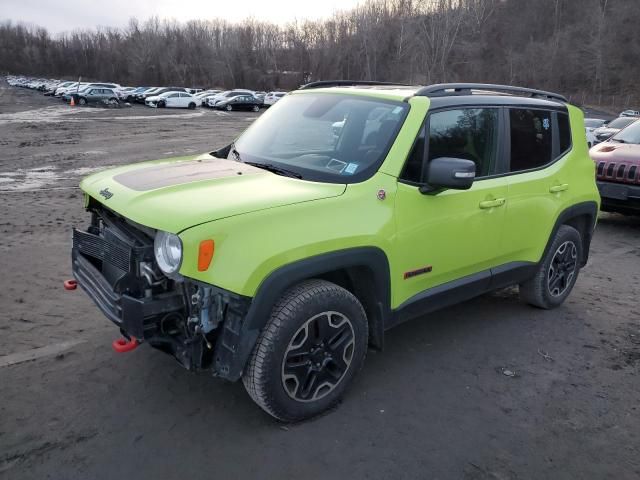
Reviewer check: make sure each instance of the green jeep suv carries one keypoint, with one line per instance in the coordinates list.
(345, 209)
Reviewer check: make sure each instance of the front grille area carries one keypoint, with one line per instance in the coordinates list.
(112, 251)
(617, 172)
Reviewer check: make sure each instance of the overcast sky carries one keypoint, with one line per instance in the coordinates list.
(65, 15)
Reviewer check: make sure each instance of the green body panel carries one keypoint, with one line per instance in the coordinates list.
(448, 232)
(249, 247)
(262, 221)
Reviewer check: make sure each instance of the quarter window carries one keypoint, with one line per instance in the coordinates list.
(531, 139)
(564, 131)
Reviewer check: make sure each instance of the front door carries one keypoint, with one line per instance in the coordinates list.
(456, 234)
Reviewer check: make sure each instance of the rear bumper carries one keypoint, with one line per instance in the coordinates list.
(619, 196)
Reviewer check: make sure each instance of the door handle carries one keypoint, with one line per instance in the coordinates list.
(559, 188)
(498, 202)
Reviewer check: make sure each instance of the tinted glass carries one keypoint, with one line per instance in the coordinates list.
(325, 137)
(413, 167)
(564, 131)
(531, 139)
(470, 134)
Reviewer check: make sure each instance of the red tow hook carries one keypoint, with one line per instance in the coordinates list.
(70, 284)
(122, 345)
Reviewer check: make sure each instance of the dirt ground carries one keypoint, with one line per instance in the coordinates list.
(435, 404)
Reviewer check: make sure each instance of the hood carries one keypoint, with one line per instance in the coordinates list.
(627, 153)
(179, 193)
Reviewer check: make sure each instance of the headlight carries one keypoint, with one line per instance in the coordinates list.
(168, 251)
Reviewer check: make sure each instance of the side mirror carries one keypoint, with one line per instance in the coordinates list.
(448, 173)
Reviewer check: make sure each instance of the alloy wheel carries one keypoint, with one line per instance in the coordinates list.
(318, 356)
(562, 268)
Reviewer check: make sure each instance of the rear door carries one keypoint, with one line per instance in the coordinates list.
(539, 180)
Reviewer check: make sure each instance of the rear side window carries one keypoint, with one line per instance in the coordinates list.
(531, 138)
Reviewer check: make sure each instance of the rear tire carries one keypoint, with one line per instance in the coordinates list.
(313, 345)
(557, 273)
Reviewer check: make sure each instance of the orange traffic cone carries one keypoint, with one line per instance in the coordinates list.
(72, 102)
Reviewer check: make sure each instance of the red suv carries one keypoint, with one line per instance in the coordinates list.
(618, 170)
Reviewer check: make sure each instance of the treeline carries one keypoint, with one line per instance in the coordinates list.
(583, 48)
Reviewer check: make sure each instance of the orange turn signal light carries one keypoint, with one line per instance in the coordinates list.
(205, 254)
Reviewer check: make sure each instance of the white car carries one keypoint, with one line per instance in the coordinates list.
(590, 124)
(272, 97)
(173, 100)
(630, 113)
(68, 87)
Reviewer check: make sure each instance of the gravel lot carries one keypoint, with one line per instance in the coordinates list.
(435, 404)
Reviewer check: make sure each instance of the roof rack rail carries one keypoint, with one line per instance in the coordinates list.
(348, 83)
(444, 89)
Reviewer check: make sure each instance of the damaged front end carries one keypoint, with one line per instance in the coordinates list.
(113, 262)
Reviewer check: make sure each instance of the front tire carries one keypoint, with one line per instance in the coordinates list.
(192, 106)
(311, 348)
(256, 108)
(82, 101)
(228, 108)
(557, 273)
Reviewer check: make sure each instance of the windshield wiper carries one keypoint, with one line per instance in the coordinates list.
(265, 166)
(277, 170)
(619, 140)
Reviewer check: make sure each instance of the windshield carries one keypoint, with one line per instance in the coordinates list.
(324, 137)
(593, 122)
(631, 134)
(621, 122)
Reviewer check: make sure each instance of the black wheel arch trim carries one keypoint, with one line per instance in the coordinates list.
(584, 209)
(235, 343)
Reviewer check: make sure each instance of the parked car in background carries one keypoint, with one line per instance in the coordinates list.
(212, 101)
(618, 170)
(73, 87)
(95, 95)
(173, 99)
(130, 95)
(240, 102)
(158, 91)
(272, 97)
(614, 126)
(630, 113)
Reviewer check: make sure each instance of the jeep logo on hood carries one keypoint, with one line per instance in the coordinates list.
(106, 193)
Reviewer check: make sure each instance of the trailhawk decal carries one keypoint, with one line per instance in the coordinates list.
(419, 271)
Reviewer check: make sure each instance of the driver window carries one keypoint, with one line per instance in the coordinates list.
(469, 133)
